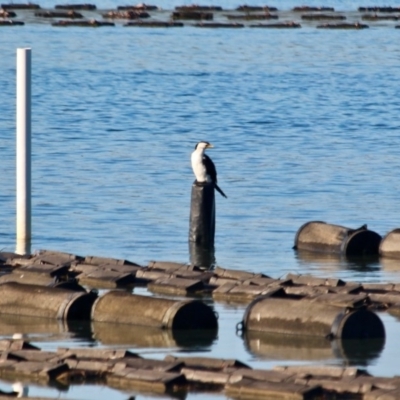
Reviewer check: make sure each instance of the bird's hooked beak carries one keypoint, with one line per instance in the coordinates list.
(209, 146)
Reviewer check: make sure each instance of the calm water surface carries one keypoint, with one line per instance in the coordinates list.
(305, 125)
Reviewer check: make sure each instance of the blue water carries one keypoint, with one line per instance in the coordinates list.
(304, 122)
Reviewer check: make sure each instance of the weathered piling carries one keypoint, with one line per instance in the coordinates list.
(41, 301)
(202, 257)
(319, 236)
(315, 317)
(126, 308)
(202, 215)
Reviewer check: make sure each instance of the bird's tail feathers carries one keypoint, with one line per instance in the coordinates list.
(220, 191)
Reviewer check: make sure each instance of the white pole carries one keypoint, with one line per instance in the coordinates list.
(23, 150)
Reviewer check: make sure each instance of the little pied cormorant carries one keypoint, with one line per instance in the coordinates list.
(203, 167)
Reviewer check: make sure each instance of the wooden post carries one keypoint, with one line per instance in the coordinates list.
(202, 216)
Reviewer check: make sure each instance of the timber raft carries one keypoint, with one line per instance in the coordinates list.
(64, 286)
(194, 15)
(59, 286)
(124, 370)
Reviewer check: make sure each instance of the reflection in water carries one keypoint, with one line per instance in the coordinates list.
(337, 261)
(287, 347)
(309, 348)
(390, 264)
(358, 352)
(35, 328)
(20, 389)
(145, 337)
(201, 256)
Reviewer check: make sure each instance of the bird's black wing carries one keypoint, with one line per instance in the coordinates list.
(210, 168)
(212, 172)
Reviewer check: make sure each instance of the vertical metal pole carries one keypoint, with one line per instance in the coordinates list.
(23, 151)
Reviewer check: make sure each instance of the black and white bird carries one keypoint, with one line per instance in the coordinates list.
(203, 167)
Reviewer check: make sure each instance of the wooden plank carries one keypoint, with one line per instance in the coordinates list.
(261, 281)
(148, 380)
(225, 288)
(207, 363)
(347, 289)
(33, 355)
(95, 354)
(33, 370)
(176, 286)
(321, 371)
(166, 265)
(82, 267)
(48, 269)
(344, 300)
(65, 257)
(314, 281)
(343, 386)
(251, 290)
(109, 261)
(106, 278)
(305, 290)
(378, 287)
(261, 375)
(92, 365)
(204, 276)
(153, 275)
(380, 382)
(249, 388)
(245, 293)
(234, 274)
(157, 365)
(204, 376)
(217, 281)
(385, 299)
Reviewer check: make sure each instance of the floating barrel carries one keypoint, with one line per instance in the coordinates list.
(126, 308)
(390, 244)
(311, 317)
(42, 301)
(319, 236)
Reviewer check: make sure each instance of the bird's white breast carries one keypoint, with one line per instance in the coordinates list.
(198, 167)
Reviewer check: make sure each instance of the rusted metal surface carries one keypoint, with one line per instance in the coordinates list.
(318, 236)
(41, 301)
(126, 308)
(325, 316)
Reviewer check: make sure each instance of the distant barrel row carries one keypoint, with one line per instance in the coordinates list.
(331, 306)
(93, 23)
(143, 6)
(125, 370)
(239, 18)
